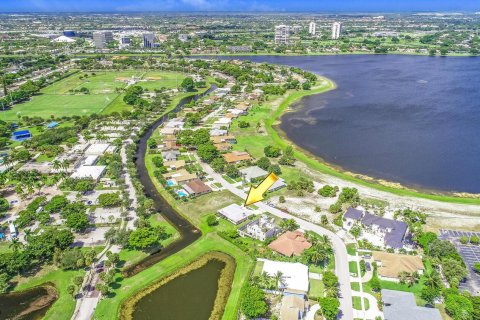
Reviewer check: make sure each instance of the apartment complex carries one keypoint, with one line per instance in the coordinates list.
(281, 34)
(148, 40)
(312, 28)
(336, 30)
(101, 38)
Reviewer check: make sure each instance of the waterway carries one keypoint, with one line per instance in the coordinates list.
(30, 304)
(414, 120)
(188, 232)
(188, 297)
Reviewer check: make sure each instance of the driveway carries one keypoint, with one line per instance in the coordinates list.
(340, 250)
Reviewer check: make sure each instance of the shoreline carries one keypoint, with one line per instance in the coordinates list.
(313, 54)
(316, 163)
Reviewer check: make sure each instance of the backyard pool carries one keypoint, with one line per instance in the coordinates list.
(182, 193)
(170, 183)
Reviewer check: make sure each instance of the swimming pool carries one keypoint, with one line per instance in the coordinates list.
(170, 183)
(182, 193)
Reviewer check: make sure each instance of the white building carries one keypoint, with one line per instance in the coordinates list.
(312, 28)
(235, 214)
(336, 30)
(94, 172)
(97, 149)
(281, 34)
(260, 229)
(294, 275)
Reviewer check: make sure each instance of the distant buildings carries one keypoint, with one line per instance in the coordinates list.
(183, 37)
(281, 34)
(148, 40)
(312, 28)
(125, 40)
(101, 38)
(69, 33)
(336, 30)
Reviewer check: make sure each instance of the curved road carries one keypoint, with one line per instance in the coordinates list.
(339, 248)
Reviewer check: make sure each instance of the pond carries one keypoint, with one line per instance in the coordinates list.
(30, 304)
(188, 296)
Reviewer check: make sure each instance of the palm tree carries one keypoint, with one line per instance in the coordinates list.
(56, 164)
(279, 281)
(65, 164)
(15, 245)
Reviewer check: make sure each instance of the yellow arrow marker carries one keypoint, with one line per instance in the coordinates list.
(256, 194)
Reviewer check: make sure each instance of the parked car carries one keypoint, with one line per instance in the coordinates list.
(367, 266)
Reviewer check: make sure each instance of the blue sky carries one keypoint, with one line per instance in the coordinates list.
(237, 5)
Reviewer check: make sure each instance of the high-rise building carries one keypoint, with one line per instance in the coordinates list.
(281, 34)
(101, 38)
(336, 30)
(312, 28)
(148, 40)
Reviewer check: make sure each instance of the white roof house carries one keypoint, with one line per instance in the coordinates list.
(94, 172)
(253, 172)
(63, 39)
(97, 149)
(90, 160)
(294, 274)
(218, 132)
(235, 213)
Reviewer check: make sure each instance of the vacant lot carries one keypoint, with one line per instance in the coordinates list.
(105, 93)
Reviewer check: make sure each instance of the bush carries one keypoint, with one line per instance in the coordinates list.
(212, 220)
(109, 200)
(328, 191)
(272, 152)
(253, 302)
(157, 161)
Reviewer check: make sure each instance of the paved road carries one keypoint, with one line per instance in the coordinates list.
(340, 250)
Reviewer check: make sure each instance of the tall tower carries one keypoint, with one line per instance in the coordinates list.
(312, 28)
(336, 30)
(281, 34)
(148, 40)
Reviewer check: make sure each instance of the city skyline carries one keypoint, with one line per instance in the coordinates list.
(236, 6)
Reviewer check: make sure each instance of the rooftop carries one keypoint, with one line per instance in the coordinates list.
(253, 172)
(295, 274)
(392, 264)
(235, 213)
(399, 305)
(290, 243)
(353, 214)
(393, 238)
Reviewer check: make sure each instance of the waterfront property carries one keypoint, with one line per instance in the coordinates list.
(261, 229)
(294, 279)
(235, 214)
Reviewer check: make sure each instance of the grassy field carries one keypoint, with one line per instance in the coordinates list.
(104, 97)
(65, 305)
(316, 289)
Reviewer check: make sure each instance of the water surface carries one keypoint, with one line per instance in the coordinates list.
(408, 119)
(187, 297)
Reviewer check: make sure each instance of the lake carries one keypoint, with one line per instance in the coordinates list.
(188, 297)
(408, 119)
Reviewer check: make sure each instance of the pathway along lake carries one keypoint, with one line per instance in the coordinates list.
(408, 119)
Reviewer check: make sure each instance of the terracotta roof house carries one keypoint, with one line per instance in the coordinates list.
(223, 146)
(220, 139)
(236, 156)
(197, 187)
(180, 176)
(391, 264)
(175, 165)
(242, 106)
(171, 145)
(290, 243)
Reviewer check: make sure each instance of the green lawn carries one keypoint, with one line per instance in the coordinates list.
(352, 267)
(357, 303)
(103, 98)
(258, 268)
(316, 289)
(65, 305)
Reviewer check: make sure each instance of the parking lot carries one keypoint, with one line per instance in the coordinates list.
(469, 253)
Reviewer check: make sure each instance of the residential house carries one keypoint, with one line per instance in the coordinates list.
(291, 243)
(175, 164)
(352, 217)
(223, 146)
(218, 132)
(97, 149)
(253, 173)
(235, 214)
(399, 305)
(391, 232)
(171, 155)
(279, 184)
(293, 308)
(224, 139)
(197, 187)
(236, 156)
(181, 176)
(391, 264)
(294, 276)
(94, 172)
(261, 229)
